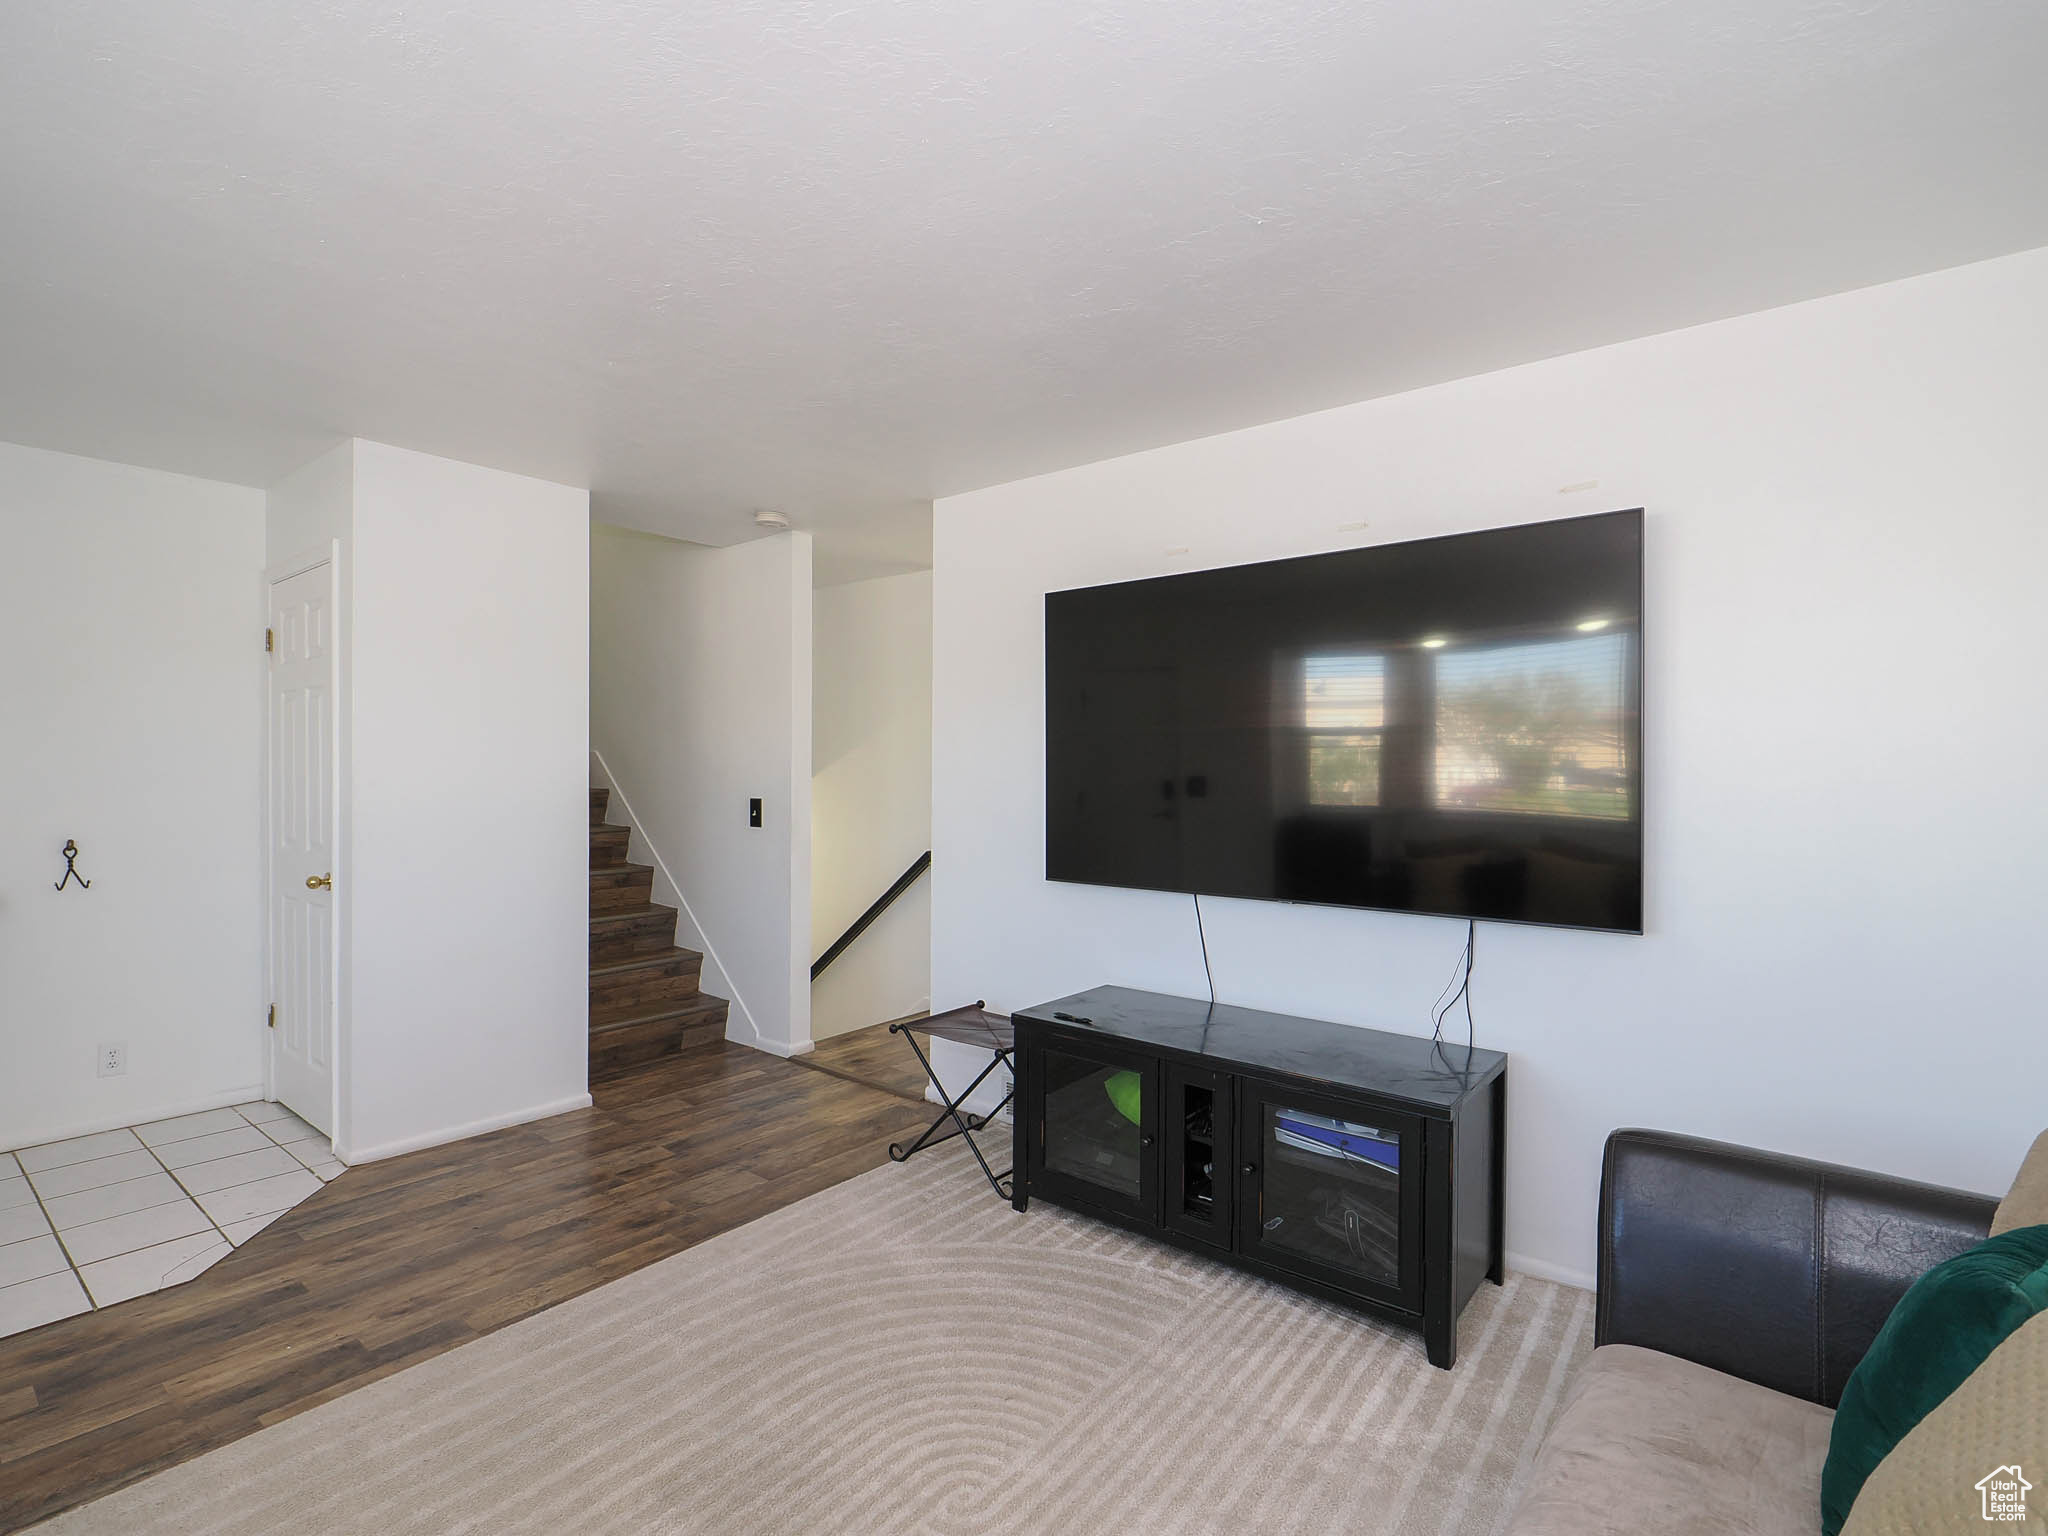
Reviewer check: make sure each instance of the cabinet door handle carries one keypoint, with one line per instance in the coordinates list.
(1250, 1169)
(1145, 1141)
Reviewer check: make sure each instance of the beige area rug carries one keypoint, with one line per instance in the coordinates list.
(904, 1353)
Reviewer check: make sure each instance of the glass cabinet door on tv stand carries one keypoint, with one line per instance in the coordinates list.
(1329, 1189)
(1094, 1121)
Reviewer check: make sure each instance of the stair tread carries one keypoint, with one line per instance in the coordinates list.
(626, 914)
(648, 961)
(702, 1006)
(621, 869)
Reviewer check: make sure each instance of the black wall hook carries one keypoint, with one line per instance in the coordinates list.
(70, 873)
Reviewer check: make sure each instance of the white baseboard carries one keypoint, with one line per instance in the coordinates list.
(1521, 1263)
(227, 1098)
(354, 1155)
(779, 1047)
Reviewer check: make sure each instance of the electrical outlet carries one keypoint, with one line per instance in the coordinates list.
(113, 1058)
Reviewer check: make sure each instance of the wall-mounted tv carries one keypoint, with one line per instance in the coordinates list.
(1450, 726)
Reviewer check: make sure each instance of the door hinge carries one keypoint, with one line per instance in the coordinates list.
(269, 640)
(271, 1022)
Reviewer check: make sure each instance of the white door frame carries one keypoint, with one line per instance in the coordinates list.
(329, 556)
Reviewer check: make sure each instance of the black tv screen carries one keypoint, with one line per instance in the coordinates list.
(1451, 726)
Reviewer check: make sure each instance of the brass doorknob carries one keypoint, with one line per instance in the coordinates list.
(320, 882)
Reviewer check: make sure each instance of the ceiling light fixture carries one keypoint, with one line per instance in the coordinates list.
(775, 520)
(1590, 626)
(1436, 642)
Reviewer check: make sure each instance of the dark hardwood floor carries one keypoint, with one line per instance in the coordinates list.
(397, 1261)
(874, 1058)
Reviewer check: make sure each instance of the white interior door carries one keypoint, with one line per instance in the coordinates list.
(302, 720)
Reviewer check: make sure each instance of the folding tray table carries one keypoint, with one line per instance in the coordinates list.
(973, 1025)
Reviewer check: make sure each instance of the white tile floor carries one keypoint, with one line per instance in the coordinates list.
(98, 1219)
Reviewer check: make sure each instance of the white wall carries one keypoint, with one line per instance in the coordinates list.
(1845, 733)
(131, 677)
(314, 506)
(469, 850)
(871, 796)
(460, 887)
(700, 699)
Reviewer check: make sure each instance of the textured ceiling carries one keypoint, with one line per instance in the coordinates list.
(838, 259)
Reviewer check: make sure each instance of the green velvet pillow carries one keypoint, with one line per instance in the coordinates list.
(1126, 1091)
(1942, 1330)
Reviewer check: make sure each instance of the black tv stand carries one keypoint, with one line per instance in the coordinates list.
(1359, 1166)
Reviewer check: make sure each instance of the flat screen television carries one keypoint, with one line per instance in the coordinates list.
(1448, 726)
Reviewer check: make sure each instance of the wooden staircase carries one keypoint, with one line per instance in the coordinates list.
(644, 1001)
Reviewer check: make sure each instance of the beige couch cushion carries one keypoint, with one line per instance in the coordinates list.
(2026, 1203)
(1651, 1445)
(1996, 1420)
